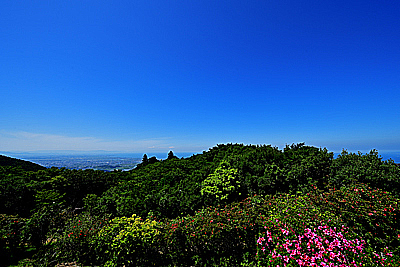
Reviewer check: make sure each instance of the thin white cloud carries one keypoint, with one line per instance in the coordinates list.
(27, 141)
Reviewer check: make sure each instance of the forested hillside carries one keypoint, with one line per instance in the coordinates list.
(25, 165)
(233, 205)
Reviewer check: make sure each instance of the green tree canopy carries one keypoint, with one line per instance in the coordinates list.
(221, 184)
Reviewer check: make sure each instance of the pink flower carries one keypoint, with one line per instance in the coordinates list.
(259, 241)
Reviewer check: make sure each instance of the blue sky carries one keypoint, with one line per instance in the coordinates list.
(153, 76)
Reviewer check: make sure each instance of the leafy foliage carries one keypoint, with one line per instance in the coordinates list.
(221, 184)
(206, 210)
(126, 241)
(368, 168)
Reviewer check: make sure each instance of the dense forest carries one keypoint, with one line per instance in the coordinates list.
(233, 205)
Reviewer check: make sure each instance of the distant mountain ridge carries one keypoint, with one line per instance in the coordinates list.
(26, 165)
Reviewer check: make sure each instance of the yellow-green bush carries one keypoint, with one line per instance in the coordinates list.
(127, 241)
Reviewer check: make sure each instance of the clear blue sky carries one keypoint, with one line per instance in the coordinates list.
(153, 76)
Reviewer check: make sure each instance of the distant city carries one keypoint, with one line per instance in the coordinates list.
(83, 162)
(103, 162)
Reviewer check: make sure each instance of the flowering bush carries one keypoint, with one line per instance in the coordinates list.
(71, 242)
(330, 228)
(211, 235)
(372, 213)
(321, 246)
(10, 234)
(216, 233)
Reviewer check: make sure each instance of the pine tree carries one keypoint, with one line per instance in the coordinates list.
(145, 160)
(171, 155)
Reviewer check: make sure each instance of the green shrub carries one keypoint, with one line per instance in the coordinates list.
(370, 169)
(71, 242)
(127, 242)
(11, 239)
(221, 185)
